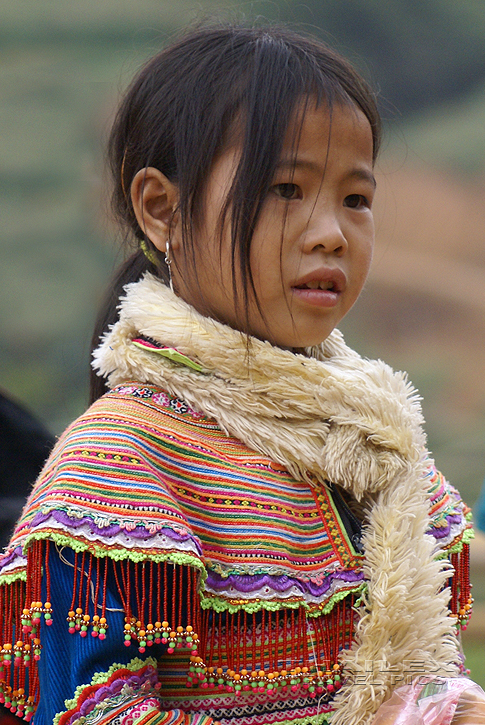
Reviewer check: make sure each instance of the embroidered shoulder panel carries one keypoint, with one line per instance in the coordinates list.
(141, 475)
(450, 517)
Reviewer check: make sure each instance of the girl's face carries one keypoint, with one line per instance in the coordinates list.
(312, 247)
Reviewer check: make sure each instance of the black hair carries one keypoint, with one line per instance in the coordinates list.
(179, 112)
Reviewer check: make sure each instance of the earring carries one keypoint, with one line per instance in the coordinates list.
(168, 262)
(149, 254)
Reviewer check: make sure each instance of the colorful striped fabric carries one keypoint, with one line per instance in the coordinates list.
(141, 467)
(246, 576)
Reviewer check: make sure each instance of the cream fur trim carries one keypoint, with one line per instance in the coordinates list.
(331, 416)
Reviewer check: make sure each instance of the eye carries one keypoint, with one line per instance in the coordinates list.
(287, 191)
(357, 201)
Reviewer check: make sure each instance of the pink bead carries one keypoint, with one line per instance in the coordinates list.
(48, 622)
(330, 688)
(103, 636)
(127, 642)
(83, 633)
(294, 688)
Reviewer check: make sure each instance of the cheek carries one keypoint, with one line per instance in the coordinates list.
(365, 246)
(362, 262)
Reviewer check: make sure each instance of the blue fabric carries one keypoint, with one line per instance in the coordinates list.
(479, 513)
(69, 660)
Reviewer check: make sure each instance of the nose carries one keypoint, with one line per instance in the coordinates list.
(324, 232)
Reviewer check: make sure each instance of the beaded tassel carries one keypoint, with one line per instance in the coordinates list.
(461, 600)
(284, 651)
(160, 601)
(22, 610)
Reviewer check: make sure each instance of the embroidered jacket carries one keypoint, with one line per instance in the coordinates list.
(164, 571)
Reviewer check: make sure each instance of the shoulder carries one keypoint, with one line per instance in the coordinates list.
(110, 481)
(449, 517)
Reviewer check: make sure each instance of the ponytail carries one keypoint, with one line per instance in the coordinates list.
(130, 271)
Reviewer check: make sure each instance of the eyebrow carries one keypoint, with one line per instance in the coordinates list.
(358, 173)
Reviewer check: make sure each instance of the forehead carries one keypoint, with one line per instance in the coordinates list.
(317, 130)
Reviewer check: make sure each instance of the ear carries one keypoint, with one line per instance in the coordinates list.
(154, 200)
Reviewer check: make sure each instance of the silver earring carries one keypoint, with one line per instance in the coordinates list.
(168, 262)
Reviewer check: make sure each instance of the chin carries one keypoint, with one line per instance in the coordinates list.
(299, 342)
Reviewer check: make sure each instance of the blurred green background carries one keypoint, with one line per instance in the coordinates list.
(63, 65)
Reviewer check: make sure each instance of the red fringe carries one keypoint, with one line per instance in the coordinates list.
(176, 624)
(285, 650)
(461, 600)
(21, 612)
(22, 609)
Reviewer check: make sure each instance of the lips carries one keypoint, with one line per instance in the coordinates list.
(321, 287)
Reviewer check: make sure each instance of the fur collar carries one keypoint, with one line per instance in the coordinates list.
(329, 416)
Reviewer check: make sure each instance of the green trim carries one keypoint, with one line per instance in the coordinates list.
(219, 604)
(176, 557)
(338, 597)
(323, 718)
(467, 536)
(11, 578)
(172, 354)
(100, 678)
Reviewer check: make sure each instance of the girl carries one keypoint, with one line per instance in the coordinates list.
(244, 527)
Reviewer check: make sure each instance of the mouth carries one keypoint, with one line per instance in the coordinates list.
(321, 288)
(316, 284)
